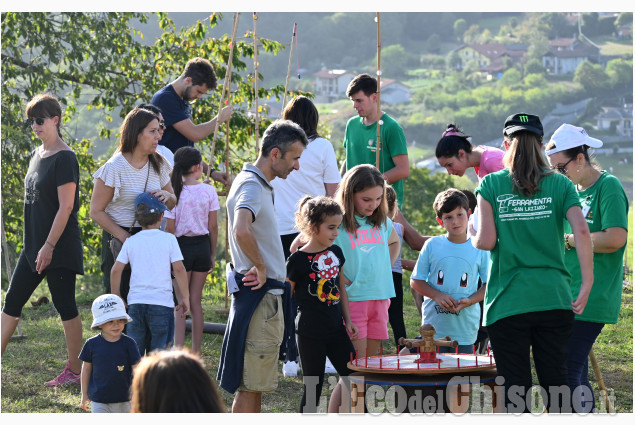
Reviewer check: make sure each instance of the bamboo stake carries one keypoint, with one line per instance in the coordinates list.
(226, 88)
(598, 376)
(286, 86)
(379, 122)
(256, 96)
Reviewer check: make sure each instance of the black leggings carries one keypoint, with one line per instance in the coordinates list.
(395, 311)
(24, 281)
(313, 352)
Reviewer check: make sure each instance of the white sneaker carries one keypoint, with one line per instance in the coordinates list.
(328, 367)
(290, 369)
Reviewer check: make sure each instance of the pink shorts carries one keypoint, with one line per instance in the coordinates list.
(370, 317)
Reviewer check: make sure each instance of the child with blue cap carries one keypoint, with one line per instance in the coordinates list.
(150, 253)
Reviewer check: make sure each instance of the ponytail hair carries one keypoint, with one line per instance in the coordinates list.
(452, 140)
(312, 211)
(525, 162)
(184, 159)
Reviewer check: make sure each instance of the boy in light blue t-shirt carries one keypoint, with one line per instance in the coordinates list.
(447, 274)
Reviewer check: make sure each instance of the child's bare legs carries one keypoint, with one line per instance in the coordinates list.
(366, 343)
(179, 322)
(197, 281)
(335, 402)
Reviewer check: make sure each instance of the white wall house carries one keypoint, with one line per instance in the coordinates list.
(393, 92)
(330, 84)
(565, 54)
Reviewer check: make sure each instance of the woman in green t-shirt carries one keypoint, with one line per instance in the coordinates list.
(521, 212)
(605, 208)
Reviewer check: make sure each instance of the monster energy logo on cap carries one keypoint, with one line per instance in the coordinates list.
(523, 122)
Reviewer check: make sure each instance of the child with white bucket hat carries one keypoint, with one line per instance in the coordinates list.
(108, 358)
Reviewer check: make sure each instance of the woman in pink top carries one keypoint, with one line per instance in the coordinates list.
(456, 153)
(193, 221)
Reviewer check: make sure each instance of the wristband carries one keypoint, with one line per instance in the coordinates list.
(52, 246)
(566, 242)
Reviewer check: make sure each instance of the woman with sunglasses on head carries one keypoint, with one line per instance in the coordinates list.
(134, 168)
(52, 246)
(605, 209)
(528, 303)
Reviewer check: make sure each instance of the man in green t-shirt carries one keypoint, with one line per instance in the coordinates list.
(360, 138)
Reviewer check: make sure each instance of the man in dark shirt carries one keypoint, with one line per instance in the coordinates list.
(174, 99)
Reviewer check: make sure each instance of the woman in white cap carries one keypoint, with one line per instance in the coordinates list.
(528, 303)
(605, 208)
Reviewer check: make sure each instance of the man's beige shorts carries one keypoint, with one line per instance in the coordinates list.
(262, 346)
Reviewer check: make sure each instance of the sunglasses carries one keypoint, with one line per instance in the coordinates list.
(37, 120)
(162, 125)
(562, 169)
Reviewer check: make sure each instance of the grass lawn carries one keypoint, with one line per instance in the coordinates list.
(29, 362)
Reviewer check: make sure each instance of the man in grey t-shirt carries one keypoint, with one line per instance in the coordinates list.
(256, 253)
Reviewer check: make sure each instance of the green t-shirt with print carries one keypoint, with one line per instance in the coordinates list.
(527, 270)
(604, 205)
(360, 142)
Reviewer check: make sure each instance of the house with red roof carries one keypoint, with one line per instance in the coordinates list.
(565, 54)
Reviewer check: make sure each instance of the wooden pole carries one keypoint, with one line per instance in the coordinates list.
(598, 376)
(286, 86)
(226, 88)
(379, 121)
(256, 96)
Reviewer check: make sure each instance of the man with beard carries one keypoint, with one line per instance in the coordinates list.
(174, 99)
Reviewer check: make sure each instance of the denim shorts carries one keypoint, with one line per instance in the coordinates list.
(152, 326)
(262, 346)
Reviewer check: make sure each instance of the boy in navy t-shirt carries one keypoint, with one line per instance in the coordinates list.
(108, 358)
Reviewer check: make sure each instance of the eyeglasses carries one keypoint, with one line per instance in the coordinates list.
(162, 125)
(562, 169)
(37, 120)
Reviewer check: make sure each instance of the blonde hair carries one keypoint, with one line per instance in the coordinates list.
(526, 164)
(358, 179)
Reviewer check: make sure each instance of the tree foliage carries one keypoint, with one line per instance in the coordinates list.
(620, 72)
(100, 61)
(460, 26)
(592, 77)
(421, 188)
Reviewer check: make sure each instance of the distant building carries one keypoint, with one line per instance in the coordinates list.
(565, 54)
(490, 56)
(330, 84)
(619, 119)
(393, 92)
(625, 32)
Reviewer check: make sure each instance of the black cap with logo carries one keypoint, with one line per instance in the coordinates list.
(523, 122)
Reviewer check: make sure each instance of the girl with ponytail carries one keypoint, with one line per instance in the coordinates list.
(194, 223)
